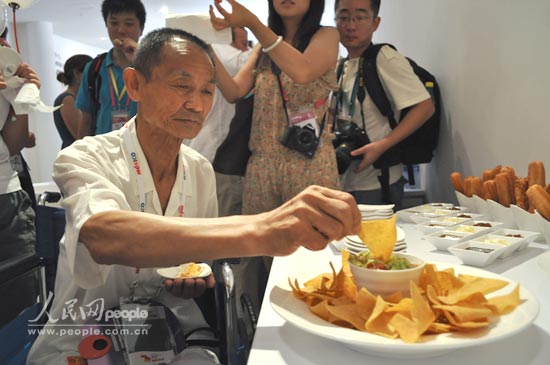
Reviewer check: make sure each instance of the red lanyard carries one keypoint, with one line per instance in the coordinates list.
(113, 89)
(139, 176)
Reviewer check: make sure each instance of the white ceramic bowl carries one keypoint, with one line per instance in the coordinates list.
(510, 246)
(483, 254)
(479, 223)
(385, 282)
(433, 226)
(444, 239)
(527, 236)
(438, 213)
(471, 216)
(474, 231)
(441, 205)
(454, 220)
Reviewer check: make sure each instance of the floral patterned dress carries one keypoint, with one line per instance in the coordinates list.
(276, 173)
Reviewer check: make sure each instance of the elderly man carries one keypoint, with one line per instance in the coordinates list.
(137, 199)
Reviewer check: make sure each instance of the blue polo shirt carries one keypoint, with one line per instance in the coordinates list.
(84, 100)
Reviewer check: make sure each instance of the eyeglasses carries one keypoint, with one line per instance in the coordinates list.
(345, 19)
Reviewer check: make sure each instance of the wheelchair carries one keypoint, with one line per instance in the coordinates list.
(232, 334)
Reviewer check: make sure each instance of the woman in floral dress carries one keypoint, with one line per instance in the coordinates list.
(294, 61)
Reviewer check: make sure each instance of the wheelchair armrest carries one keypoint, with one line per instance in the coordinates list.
(49, 197)
(12, 268)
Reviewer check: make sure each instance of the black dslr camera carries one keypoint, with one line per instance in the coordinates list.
(348, 137)
(301, 139)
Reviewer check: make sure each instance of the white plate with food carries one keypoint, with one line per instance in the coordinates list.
(189, 270)
(297, 313)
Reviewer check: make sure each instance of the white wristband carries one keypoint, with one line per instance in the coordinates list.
(275, 44)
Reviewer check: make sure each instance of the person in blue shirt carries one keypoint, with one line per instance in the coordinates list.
(125, 20)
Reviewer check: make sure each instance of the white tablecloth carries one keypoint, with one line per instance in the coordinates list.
(279, 342)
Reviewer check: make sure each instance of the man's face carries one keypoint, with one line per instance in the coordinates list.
(179, 94)
(241, 39)
(123, 25)
(356, 23)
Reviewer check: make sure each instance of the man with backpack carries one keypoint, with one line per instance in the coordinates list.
(365, 139)
(102, 98)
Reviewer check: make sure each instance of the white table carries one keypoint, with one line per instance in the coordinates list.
(279, 342)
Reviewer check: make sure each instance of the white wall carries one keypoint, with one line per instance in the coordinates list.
(491, 58)
(46, 53)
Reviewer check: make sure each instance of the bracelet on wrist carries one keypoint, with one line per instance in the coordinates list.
(275, 44)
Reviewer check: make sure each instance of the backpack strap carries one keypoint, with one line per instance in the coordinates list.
(340, 67)
(94, 86)
(370, 82)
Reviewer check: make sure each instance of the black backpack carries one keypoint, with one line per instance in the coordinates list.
(94, 86)
(232, 155)
(419, 146)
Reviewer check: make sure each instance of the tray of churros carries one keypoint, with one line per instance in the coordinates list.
(499, 194)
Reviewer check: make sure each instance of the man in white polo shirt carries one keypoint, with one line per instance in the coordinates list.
(137, 199)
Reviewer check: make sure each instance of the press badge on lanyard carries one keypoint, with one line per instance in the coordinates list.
(304, 115)
(119, 113)
(136, 167)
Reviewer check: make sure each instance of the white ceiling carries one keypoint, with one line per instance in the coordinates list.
(81, 20)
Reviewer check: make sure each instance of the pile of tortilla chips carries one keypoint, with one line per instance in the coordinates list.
(442, 302)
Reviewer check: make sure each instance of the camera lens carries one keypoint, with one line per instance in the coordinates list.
(343, 157)
(304, 139)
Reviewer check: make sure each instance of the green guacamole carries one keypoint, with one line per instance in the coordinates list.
(364, 259)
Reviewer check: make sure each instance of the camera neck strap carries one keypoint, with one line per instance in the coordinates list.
(342, 100)
(358, 92)
(284, 96)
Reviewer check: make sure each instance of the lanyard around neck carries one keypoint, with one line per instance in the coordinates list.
(116, 96)
(132, 151)
(351, 104)
(358, 92)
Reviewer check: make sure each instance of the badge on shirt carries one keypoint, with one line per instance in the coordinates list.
(303, 116)
(118, 118)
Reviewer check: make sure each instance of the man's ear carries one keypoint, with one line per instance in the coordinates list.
(376, 23)
(133, 80)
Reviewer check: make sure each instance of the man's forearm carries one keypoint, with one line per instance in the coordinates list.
(414, 119)
(147, 240)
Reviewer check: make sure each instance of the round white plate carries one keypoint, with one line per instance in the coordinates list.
(172, 272)
(371, 208)
(297, 313)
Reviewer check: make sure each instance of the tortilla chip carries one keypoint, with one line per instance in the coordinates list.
(504, 304)
(380, 237)
(481, 285)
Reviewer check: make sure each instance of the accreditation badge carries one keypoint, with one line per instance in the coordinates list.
(118, 118)
(304, 116)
